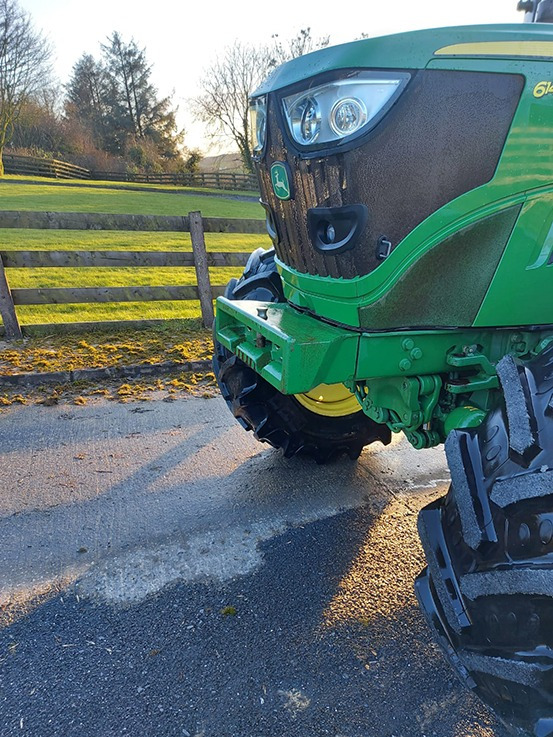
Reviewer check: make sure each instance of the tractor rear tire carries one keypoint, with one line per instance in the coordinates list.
(488, 588)
(275, 418)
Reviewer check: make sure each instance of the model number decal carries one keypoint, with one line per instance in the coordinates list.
(542, 89)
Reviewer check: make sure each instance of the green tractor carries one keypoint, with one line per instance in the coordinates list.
(408, 187)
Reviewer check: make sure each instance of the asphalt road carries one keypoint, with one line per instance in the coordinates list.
(163, 574)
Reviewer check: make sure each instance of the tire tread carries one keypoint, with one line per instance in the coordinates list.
(491, 521)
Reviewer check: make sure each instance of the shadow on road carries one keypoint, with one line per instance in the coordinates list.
(224, 591)
(323, 639)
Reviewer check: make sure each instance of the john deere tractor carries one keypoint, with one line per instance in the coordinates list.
(408, 187)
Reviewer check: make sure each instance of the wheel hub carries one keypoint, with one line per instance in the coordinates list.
(329, 400)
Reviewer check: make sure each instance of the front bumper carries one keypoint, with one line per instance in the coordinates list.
(296, 352)
(290, 350)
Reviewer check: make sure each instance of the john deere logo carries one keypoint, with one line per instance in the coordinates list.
(281, 180)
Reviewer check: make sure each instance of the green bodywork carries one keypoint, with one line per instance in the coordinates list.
(477, 303)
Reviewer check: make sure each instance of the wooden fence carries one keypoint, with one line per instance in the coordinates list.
(193, 223)
(216, 180)
(35, 166)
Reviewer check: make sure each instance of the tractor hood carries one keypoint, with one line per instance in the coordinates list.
(416, 49)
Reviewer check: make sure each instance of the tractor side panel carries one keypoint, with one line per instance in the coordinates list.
(442, 138)
(520, 293)
(446, 286)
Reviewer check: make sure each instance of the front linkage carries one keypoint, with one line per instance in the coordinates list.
(427, 407)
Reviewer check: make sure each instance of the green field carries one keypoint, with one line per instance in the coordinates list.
(15, 195)
(98, 183)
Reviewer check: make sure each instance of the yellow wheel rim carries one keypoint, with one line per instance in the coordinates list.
(330, 400)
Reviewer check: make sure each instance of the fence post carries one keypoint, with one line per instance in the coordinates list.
(202, 271)
(7, 310)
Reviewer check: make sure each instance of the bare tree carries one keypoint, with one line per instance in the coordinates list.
(228, 83)
(300, 44)
(24, 66)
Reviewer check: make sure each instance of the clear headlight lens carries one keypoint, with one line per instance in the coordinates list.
(347, 116)
(306, 120)
(258, 124)
(341, 108)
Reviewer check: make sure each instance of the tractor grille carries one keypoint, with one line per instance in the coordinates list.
(442, 138)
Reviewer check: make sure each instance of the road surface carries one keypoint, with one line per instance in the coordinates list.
(163, 574)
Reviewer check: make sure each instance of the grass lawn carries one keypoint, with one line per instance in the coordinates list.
(123, 276)
(95, 183)
(16, 195)
(111, 277)
(45, 314)
(58, 198)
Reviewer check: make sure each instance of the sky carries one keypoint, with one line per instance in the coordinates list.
(182, 38)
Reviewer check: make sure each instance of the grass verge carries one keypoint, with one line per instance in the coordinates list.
(170, 388)
(179, 341)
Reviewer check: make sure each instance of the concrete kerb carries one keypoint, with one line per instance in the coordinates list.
(135, 371)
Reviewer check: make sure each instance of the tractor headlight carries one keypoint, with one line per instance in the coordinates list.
(258, 124)
(347, 116)
(305, 120)
(341, 109)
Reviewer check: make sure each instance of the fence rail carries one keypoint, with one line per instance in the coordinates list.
(35, 166)
(86, 295)
(107, 221)
(199, 258)
(79, 259)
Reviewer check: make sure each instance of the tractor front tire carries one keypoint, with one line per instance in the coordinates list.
(298, 425)
(488, 588)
